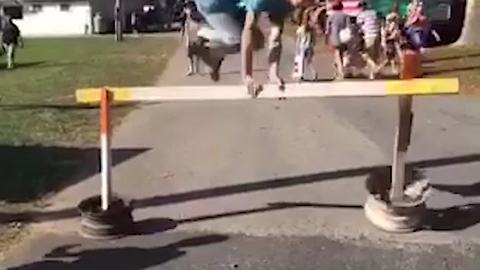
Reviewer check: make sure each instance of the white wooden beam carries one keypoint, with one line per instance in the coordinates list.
(294, 90)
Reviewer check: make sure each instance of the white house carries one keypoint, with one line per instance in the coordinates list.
(71, 17)
(55, 18)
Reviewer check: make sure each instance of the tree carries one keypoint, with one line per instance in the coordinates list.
(118, 18)
(471, 33)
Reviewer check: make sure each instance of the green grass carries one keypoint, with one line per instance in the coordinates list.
(461, 62)
(49, 70)
(37, 109)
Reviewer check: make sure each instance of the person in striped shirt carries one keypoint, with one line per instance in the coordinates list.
(368, 21)
(305, 46)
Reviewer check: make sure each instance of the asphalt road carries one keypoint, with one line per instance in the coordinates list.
(282, 180)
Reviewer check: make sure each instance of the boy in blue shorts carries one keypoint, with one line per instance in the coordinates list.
(232, 26)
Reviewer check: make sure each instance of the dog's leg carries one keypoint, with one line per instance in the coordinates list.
(312, 68)
(191, 68)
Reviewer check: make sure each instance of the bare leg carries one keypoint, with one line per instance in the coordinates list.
(399, 53)
(394, 66)
(10, 56)
(275, 51)
(371, 64)
(339, 64)
(313, 71)
(191, 69)
(382, 65)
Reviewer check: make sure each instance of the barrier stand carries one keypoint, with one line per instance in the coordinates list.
(392, 207)
(105, 216)
(388, 207)
(394, 210)
(105, 142)
(402, 141)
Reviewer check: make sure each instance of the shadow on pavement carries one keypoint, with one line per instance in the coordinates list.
(448, 219)
(463, 190)
(128, 258)
(290, 181)
(453, 218)
(39, 216)
(29, 172)
(269, 207)
(23, 65)
(154, 225)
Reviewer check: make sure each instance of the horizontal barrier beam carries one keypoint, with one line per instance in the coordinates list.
(294, 90)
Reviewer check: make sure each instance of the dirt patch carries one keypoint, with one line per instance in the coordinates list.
(11, 232)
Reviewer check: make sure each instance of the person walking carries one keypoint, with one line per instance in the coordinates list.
(305, 48)
(392, 40)
(11, 38)
(368, 21)
(134, 20)
(232, 27)
(416, 26)
(356, 56)
(193, 43)
(338, 35)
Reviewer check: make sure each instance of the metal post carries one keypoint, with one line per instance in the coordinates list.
(118, 14)
(106, 160)
(402, 141)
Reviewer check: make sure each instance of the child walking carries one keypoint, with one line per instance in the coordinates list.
(356, 55)
(392, 41)
(187, 32)
(305, 48)
(336, 23)
(10, 39)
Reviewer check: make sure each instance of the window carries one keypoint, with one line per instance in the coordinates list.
(441, 12)
(15, 12)
(34, 8)
(65, 7)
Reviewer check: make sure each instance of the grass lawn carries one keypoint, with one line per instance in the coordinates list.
(43, 133)
(37, 109)
(461, 62)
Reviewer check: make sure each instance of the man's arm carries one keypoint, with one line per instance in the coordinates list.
(21, 43)
(247, 47)
(275, 50)
(361, 18)
(19, 38)
(328, 29)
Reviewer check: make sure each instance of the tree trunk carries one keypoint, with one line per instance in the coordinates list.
(471, 33)
(118, 14)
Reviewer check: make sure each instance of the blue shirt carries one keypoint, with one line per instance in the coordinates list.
(276, 8)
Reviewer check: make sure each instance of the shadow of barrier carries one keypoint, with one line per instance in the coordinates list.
(396, 202)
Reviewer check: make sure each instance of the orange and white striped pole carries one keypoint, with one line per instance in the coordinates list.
(105, 141)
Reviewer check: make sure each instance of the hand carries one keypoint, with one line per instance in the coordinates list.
(252, 87)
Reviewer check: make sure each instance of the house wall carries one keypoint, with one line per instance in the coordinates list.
(51, 21)
(106, 7)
